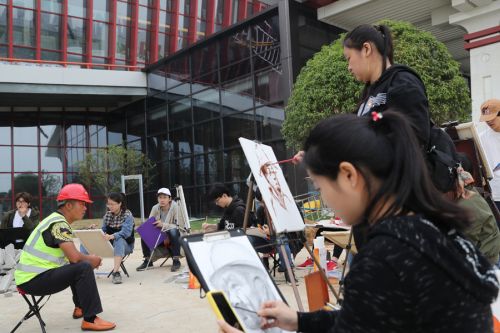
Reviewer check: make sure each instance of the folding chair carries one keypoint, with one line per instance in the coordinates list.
(34, 309)
(122, 266)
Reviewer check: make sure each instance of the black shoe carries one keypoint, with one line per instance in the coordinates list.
(281, 269)
(175, 265)
(144, 265)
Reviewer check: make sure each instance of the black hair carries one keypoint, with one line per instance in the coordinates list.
(217, 190)
(25, 196)
(258, 194)
(379, 35)
(388, 150)
(119, 198)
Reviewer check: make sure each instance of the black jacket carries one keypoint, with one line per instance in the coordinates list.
(233, 216)
(410, 277)
(29, 222)
(400, 88)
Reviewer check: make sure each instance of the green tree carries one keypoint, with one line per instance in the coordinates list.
(102, 169)
(325, 87)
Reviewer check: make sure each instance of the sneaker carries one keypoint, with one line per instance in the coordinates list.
(117, 278)
(288, 281)
(98, 325)
(144, 265)
(77, 313)
(330, 265)
(176, 264)
(306, 264)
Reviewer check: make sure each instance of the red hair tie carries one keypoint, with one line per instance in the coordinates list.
(376, 116)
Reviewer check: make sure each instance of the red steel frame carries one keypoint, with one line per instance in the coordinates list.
(493, 31)
(154, 31)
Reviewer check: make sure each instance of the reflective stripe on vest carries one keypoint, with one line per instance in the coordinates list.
(36, 256)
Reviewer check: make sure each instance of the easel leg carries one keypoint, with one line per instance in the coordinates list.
(153, 251)
(348, 252)
(322, 272)
(292, 278)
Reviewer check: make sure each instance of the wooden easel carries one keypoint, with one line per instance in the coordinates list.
(283, 250)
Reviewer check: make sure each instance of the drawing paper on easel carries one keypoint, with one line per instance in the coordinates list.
(232, 265)
(273, 186)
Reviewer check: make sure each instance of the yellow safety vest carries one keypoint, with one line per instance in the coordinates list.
(36, 256)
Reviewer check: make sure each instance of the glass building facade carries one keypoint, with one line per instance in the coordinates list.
(200, 101)
(111, 34)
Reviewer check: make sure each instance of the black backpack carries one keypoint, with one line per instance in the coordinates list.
(440, 154)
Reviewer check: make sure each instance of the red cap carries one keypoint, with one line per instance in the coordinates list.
(74, 192)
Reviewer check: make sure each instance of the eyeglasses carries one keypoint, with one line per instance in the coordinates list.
(21, 201)
(487, 111)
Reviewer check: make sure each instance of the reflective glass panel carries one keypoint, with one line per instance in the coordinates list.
(5, 160)
(179, 113)
(185, 175)
(123, 13)
(50, 135)
(27, 182)
(50, 34)
(238, 125)
(100, 39)
(51, 184)
(206, 105)
(182, 141)
(157, 119)
(74, 156)
(76, 35)
(76, 136)
(237, 95)
(3, 24)
(24, 3)
(4, 135)
(207, 137)
(52, 159)
(26, 159)
(236, 165)
(141, 45)
(269, 122)
(53, 6)
(144, 17)
(268, 86)
(100, 10)
(122, 38)
(97, 135)
(5, 188)
(25, 135)
(77, 8)
(24, 27)
(235, 47)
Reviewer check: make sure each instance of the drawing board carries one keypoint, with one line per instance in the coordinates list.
(227, 261)
(272, 185)
(477, 132)
(94, 242)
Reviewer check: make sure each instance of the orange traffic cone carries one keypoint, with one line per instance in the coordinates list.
(193, 281)
(496, 325)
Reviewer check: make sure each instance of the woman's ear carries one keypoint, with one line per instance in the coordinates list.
(367, 49)
(349, 173)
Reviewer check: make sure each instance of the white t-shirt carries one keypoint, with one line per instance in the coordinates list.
(490, 141)
(18, 220)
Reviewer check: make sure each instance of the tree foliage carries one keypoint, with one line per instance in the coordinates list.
(102, 169)
(325, 86)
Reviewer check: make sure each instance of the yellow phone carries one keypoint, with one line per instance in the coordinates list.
(223, 309)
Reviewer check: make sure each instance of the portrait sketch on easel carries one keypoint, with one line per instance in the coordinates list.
(232, 265)
(273, 186)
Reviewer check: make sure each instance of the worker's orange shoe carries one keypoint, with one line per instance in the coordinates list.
(98, 325)
(77, 313)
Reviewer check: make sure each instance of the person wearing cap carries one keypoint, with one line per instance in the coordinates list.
(50, 262)
(165, 213)
(490, 140)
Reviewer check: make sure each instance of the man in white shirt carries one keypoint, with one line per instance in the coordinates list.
(490, 140)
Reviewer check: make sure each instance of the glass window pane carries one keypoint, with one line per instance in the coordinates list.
(100, 39)
(24, 53)
(236, 126)
(97, 135)
(76, 136)
(122, 41)
(76, 35)
(237, 95)
(53, 6)
(185, 173)
(52, 159)
(25, 135)
(51, 184)
(4, 135)
(234, 48)
(204, 60)
(24, 27)
(24, 3)
(50, 34)
(144, 17)
(269, 121)
(268, 86)
(27, 182)
(5, 161)
(236, 165)
(123, 13)
(26, 159)
(207, 137)
(50, 135)
(3, 24)
(206, 105)
(235, 70)
(100, 10)
(182, 141)
(75, 155)
(179, 113)
(157, 119)
(77, 8)
(203, 82)
(142, 42)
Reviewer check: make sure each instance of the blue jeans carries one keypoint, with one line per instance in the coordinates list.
(121, 248)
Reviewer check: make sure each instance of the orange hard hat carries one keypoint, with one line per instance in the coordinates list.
(74, 192)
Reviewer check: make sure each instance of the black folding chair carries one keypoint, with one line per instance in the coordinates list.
(34, 308)
(122, 266)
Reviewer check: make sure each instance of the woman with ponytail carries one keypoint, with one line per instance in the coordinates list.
(416, 272)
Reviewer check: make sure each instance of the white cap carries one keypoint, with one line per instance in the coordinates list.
(165, 191)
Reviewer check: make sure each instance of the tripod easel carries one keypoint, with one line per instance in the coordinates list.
(283, 249)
